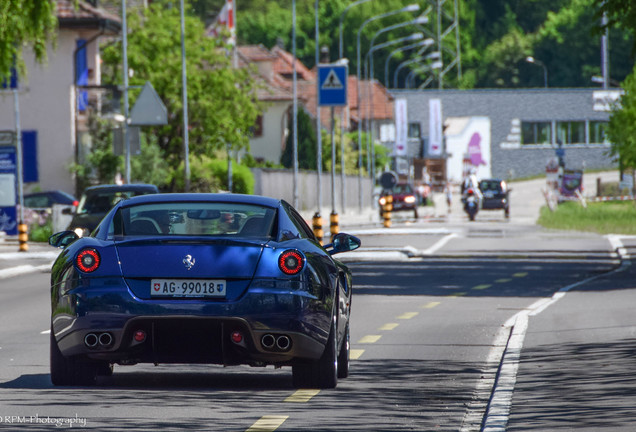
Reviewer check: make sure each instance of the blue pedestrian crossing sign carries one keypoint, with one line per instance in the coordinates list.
(332, 85)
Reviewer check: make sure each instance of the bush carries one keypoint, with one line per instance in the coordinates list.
(242, 178)
(40, 233)
(210, 175)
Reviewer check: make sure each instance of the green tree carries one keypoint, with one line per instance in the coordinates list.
(621, 129)
(222, 101)
(306, 143)
(101, 165)
(24, 22)
(620, 13)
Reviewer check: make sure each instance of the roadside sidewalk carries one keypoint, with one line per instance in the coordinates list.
(13, 262)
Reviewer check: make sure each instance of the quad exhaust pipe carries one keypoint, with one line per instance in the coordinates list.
(268, 341)
(283, 342)
(273, 342)
(91, 340)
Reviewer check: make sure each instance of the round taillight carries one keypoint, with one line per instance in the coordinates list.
(291, 262)
(139, 336)
(88, 260)
(237, 337)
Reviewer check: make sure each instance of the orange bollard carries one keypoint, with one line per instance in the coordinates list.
(317, 226)
(388, 208)
(23, 237)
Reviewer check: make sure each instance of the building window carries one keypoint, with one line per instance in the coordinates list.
(598, 131)
(571, 132)
(414, 130)
(536, 133)
(257, 129)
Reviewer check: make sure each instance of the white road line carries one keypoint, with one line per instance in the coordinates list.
(440, 243)
(501, 399)
(23, 269)
(617, 244)
(46, 332)
(30, 255)
(372, 231)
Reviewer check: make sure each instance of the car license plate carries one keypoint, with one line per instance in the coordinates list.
(208, 288)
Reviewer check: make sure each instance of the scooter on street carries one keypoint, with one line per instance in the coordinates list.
(471, 203)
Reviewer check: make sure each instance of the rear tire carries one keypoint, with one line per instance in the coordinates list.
(321, 373)
(344, 355)
(61, 368)
(68, 371)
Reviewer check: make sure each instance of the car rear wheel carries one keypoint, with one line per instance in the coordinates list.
(344, 355)
(321, 373)
(66, 371)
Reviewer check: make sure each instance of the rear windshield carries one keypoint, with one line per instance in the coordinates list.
(194, 219)
(402, 189)
(102, 202)
(491, 185)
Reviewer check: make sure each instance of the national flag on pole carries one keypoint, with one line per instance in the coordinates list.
(224, 20)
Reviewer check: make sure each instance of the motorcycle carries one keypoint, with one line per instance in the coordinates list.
(471, 204)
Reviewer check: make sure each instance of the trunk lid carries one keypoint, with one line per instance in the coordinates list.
(231, 261)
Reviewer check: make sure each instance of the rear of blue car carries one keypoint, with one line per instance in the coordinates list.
(178, 295)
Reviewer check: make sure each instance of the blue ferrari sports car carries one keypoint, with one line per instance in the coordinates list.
(200, 278)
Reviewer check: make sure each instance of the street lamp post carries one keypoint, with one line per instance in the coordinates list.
(405, 63)
(531, 59)
(370, 106)
(317, 215)
(425, 43)
(410, 79)
(422, 19)
(184, 91)
(409, 8)
(345, 110)
(295, 106)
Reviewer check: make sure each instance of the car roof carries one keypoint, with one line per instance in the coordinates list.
(135, 187)
(202, 197)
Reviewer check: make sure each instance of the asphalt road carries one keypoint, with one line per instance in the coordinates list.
(456, 326)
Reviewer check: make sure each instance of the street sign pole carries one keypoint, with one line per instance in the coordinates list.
(332, 92)
(333, 161)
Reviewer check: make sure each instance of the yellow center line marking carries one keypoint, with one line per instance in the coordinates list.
(304, 395)
(504, 280)
(482, 286)
(355, 354)
(522, 274)
(407, 315)
(370, 339)
(389, 326)
(267, 423)
(430, 305)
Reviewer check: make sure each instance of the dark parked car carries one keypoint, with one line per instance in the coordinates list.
(495, 195)
(96, 201)
(404, 199)
(46, 200)
(201, 278)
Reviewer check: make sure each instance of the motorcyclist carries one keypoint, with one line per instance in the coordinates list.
(471, 182)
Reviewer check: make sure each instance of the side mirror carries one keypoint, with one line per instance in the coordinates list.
(343, 242)
(63, 239)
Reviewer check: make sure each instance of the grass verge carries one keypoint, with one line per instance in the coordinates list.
(610, 217)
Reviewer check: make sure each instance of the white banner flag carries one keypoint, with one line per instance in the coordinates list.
(401, 128)
(434, 127)
(225, 19)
